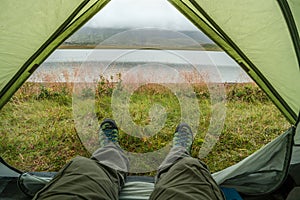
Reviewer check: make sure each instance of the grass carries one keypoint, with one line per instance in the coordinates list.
(38, 129)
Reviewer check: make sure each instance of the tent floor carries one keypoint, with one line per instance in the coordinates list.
(12, 192)
(9, 189)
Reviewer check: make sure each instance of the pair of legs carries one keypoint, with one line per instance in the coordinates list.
(179, 176)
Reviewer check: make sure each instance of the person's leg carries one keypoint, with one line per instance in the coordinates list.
(82, 178)
(113, 156)
(100, 177)
(182, 177)
(110, 153)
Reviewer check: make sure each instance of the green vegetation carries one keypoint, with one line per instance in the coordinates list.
(38, 130)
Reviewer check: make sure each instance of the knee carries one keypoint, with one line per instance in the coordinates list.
(83, 165)
(191, 162)
(81, 160)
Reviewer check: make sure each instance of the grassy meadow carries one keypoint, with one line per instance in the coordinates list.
(38, 132)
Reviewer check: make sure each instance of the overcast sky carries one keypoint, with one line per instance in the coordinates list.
(141, 14)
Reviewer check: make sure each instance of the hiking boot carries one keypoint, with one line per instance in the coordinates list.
(108, 132)
(183, 137)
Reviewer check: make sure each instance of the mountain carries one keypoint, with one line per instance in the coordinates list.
(135, 38)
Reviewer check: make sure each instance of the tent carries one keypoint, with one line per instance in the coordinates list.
(261, 36)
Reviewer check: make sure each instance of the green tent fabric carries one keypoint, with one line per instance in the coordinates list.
(261, 172)
(262, 36)
(30, 31)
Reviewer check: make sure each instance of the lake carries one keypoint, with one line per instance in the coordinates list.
(88, 64)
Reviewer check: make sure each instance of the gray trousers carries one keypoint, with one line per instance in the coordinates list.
(102, 177)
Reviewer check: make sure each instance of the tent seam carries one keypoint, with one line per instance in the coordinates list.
(245, 59)
(290, 21)
(41, 49)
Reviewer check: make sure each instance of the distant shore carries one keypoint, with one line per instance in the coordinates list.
(64, 64)
(204, 47)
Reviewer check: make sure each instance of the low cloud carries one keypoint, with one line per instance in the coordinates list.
(141, 14)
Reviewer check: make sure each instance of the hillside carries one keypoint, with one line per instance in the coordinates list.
(89, 37)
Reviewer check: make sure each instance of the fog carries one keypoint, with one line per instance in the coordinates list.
(141, 14)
